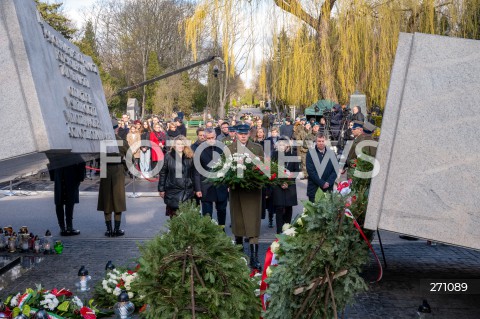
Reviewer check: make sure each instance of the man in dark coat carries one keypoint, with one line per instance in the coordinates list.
(111, 195)
(209, 193)
(336, 121)
(327, 177)
(200, 138)
(246, 205)
(67, 180)
(287, 129)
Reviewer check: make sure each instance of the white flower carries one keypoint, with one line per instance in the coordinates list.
(130, 295)
(109, 290)
(257, 158)
(286, 226)
(257, 292)
(220, 175)
(300, 221)
(77, 301)
(269, 271)
(345, 191)
(51, 306)
(304, 210)
(104, 282)
(14, 301)
(248, 160)
(245, 260)
(274, 247)
(214, 221)
(127, 286)
(117, 291)
(290, 232)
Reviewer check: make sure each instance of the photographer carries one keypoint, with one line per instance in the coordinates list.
(336, 121)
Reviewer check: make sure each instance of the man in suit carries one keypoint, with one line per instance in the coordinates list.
(209, 193)
(321, 178)
(246, 205)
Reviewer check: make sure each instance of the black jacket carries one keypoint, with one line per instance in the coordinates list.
(286, 197)
(210, 193)
(358, 117)
(67, 180)
(328, 175)
(180, 189)
(286, 130)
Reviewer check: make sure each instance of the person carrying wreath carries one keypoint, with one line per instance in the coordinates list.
(245, 204)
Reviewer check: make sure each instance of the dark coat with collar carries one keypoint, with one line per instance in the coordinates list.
(286, 197)
(210, 192)
(316, 181)
(177, 190)
(67, 181)
(246, 205)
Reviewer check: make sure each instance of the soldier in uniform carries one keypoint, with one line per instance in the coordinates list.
(246, 205)
(111, 195)
(358, 133)
(232, 130)
(302, 149)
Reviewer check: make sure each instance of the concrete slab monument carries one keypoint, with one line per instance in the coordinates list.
(429, 155)
(133, 110)
(359, 99)
(51, 96)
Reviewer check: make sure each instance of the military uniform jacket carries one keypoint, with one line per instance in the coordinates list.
(111, 195)
(368, 150)
(246, 205)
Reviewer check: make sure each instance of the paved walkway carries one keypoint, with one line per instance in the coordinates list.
(396, 296)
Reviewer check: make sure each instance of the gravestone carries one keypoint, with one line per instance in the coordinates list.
(359, 99)
(429, 155)
(133, 109)
(51, 96)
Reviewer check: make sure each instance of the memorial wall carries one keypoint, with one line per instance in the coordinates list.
(428, 154)
(51, 95)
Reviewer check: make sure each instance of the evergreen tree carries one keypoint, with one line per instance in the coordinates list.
(153, 70)
(52, 14)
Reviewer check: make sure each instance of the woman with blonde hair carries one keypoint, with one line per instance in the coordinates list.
(133, 139)
(174, 186)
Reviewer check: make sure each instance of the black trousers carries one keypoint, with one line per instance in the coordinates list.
(65, 215)
(221, 206)
(283, 216)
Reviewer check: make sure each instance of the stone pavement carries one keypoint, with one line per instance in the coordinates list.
(398, 295)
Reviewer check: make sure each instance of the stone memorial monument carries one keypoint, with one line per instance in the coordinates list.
(359, 99)
(51, 96)
(428, 153)
(133, 109)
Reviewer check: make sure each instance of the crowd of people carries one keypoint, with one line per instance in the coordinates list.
(161, 151)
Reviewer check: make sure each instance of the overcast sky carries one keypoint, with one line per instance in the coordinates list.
(73, 9)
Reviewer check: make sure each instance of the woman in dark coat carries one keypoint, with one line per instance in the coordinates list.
(175, 190)
(285, 196)
(260, 138)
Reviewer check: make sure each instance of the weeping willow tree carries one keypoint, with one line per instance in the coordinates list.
(339, 46)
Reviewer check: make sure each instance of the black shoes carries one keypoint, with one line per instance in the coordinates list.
(69, 232)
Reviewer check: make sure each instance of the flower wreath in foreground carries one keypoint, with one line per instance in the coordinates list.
(312, 269)
(241, 170)
(59, 304)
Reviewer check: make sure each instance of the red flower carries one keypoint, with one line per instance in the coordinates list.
(254, 272)
(121, 283)
(137, 268)
(87, 313)
(274, 175)
(144, 307)
(61, 292)
(130, 272)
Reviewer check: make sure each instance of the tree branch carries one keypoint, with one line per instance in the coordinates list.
(295, 7)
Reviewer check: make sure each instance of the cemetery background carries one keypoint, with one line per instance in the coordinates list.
(464, 304)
